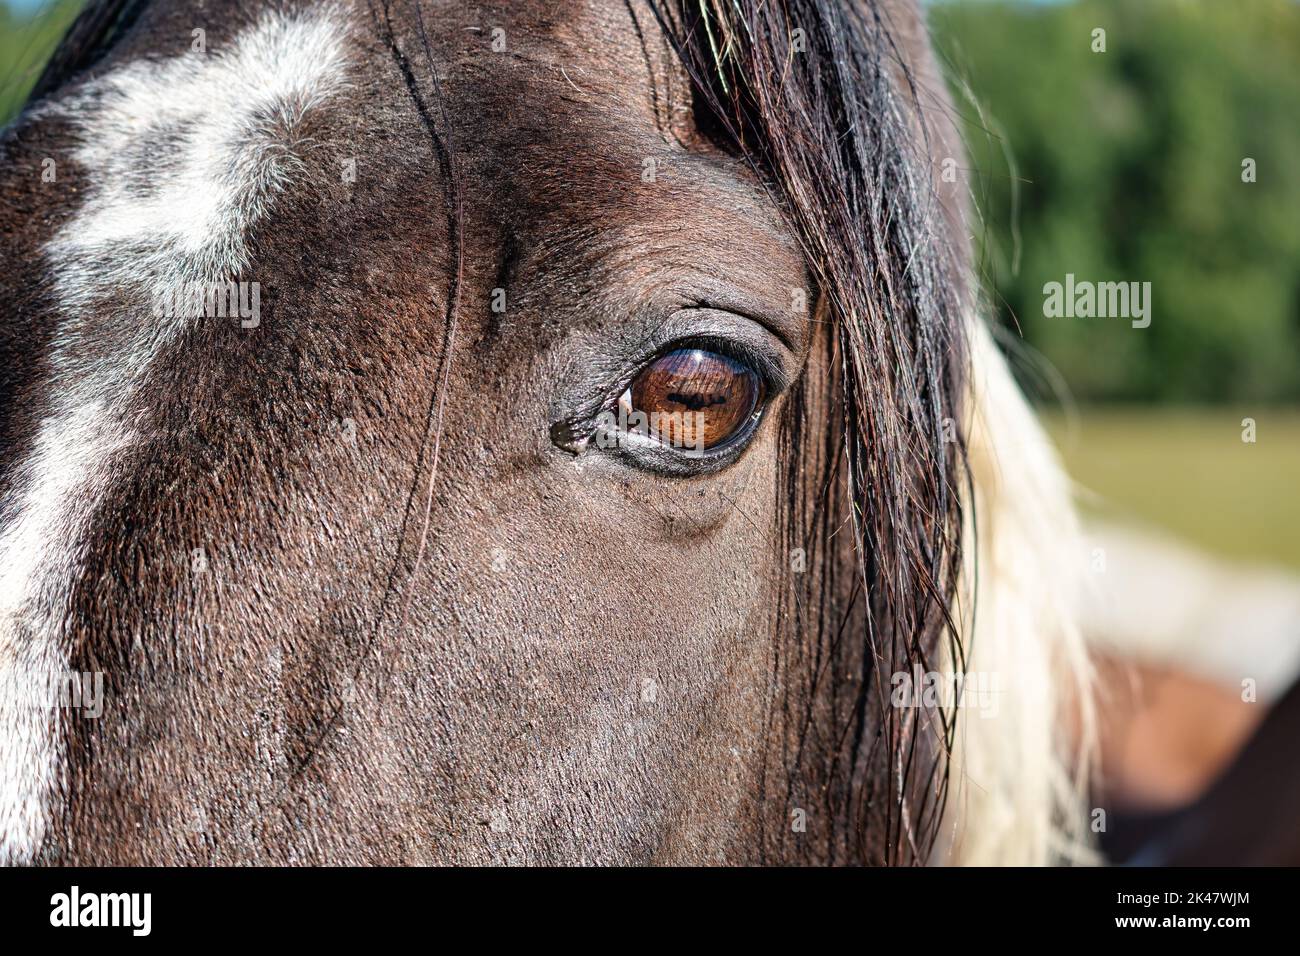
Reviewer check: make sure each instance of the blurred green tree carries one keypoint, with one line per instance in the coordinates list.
(1127, 165)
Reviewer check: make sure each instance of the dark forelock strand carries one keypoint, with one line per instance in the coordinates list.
(818, 98)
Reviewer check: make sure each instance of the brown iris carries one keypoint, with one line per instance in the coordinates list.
(695, 398)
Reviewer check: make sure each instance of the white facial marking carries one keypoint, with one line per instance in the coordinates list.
(181, 156)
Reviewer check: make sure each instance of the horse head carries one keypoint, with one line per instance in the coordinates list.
(515, 432)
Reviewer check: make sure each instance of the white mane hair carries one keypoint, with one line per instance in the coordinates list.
(1020, 768)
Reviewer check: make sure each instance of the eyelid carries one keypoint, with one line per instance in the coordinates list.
(735, 334)
(777, 329)
(610, 371)
(651, 453)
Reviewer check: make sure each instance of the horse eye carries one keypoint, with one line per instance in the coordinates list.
(695, 398)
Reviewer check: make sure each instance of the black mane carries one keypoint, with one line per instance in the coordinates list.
(829, 117)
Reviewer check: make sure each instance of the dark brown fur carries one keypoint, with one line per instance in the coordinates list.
(352, 680)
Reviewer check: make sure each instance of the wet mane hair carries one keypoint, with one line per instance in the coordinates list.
(814, 95)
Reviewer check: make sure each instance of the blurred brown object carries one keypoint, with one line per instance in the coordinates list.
(1198, 703)
(1165, 735)
(1250, 815)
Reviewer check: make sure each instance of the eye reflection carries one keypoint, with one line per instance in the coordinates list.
(700, 399)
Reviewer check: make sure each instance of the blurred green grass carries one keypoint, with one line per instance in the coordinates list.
(1187, 470)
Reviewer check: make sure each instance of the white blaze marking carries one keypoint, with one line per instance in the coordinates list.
(222, 131)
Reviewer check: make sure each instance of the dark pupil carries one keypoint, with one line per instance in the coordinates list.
(697, 395)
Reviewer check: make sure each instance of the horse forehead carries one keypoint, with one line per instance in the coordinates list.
(523, 61)
(601, 32)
